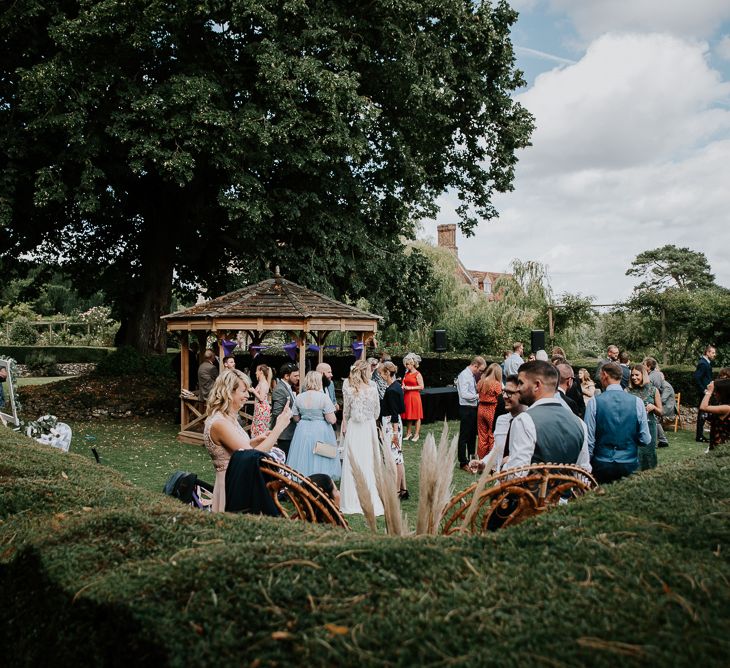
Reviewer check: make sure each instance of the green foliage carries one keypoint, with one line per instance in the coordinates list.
(158, 142)
(11, 312)
(41, 363)
(22, 332)
(127, 361)
(63, 354)
(671, 267)
(637, 567)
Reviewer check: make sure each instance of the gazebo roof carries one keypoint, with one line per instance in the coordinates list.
(273, 304)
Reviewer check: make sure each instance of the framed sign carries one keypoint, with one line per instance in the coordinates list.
(8, 407)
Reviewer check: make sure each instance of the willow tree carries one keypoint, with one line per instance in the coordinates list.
(151, 144)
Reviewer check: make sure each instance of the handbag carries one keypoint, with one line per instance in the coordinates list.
(325, 450)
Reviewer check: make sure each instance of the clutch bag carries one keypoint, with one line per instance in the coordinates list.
(325, 450)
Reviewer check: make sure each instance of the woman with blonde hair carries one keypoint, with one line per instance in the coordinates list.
(412, 385)
(489, 388)
(587, 386)
(262, 407)
(314, 414)
(640, 386)
(223, 435)
(361, 408)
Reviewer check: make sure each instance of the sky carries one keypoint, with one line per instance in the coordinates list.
(631, 149)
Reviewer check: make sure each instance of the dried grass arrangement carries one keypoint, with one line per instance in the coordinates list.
(363, 494)
(386, 483)
(435, 483)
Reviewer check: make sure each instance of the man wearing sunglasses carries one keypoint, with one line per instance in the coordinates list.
(511, 396)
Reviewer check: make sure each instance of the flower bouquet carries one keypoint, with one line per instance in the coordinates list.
(49, 431)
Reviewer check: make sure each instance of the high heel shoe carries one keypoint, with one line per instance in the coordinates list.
(407, 437)
(403, 495)
(415, 438)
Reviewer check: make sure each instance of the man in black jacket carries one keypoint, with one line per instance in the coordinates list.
(703, 377)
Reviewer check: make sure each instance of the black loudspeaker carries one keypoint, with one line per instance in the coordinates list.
(537, 340)
(439, 340)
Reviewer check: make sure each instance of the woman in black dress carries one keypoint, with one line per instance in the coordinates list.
(391, 407)
(719, 411)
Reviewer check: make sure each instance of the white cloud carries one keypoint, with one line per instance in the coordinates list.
(592, 18)
(631, 99)
(630, 153)
(723, 48)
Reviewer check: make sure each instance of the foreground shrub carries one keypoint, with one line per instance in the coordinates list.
(94, 570)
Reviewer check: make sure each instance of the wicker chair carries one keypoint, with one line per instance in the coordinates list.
(298, 498)
(514, 495)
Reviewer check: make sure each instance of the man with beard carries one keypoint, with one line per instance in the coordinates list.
(328, 385)
(503, 424)
(545, 432)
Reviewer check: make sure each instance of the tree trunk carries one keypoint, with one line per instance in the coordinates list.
(141, 325)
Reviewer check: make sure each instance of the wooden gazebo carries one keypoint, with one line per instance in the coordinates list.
(271, 305)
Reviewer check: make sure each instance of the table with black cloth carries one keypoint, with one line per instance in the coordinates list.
(440, 403)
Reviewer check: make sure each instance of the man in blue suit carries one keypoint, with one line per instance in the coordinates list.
(703, 377)
(616, 424)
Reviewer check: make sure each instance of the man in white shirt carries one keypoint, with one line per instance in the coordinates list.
(511, 396)
(546, 432)
(468, 405)
(514, 361)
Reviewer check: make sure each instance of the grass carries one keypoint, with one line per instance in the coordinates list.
(94, 569)
(40, 380)
(145, 451)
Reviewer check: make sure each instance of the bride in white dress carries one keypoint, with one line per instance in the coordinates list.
(361, 408)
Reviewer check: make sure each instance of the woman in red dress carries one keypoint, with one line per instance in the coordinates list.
(412, 386)
(719, 411)
(489, 388)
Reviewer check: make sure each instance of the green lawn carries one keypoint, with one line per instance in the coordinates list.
(40, 380)
(145, 451)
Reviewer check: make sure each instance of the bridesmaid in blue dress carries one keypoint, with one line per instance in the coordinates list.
(314, 414)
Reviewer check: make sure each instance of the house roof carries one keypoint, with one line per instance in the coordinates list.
(275, 303)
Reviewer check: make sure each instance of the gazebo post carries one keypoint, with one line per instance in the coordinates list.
(221, 349)
(363, 352)
(302, 356)
(184, 376)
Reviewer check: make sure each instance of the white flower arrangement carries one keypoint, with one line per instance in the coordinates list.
(49, 431)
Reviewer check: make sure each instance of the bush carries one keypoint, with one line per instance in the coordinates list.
(633, 577)
(41, 363)
(126, 361)
(23, 333)
(63, 354)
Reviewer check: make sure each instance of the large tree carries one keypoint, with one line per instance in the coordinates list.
(670, 266)
(148, 144)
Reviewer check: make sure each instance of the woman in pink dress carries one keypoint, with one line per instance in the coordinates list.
(223, 434)
(262, 407)
(412, 385)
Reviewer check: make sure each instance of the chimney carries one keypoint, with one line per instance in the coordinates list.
(447, 237)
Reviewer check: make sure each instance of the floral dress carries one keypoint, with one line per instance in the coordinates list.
(261, 412)
(647, 453)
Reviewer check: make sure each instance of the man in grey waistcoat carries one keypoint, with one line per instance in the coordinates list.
(546, 432)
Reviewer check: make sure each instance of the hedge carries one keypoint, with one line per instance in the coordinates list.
(63, 354)
(94, 571)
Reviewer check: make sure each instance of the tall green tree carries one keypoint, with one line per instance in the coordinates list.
(148, 145)
(670, 266)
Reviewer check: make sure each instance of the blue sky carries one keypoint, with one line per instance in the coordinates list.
(632, 147)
